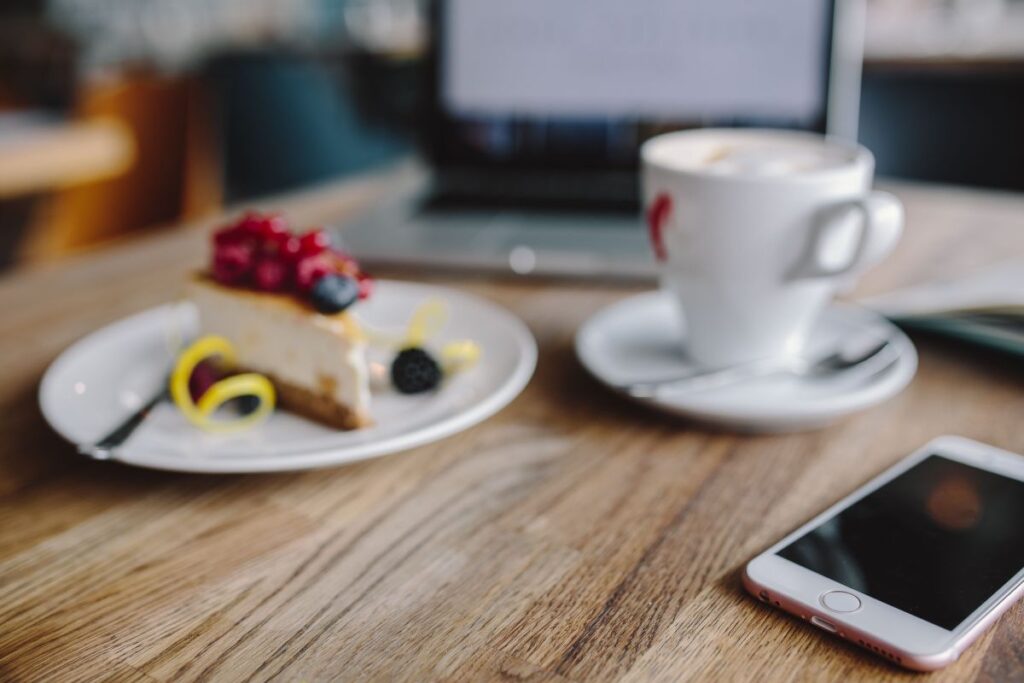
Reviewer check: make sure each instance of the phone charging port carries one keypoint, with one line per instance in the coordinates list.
(822, 624)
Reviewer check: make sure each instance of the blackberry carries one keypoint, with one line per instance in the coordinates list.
(414, 371)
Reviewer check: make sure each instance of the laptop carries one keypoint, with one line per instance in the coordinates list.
(538, 108)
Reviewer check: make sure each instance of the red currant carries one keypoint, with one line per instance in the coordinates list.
(232, 263)
(251, 224)
(366, 285)
(273, 228)
(271, 275)
(228, 235)
(310, 269)
(290, 249)
(314, 242)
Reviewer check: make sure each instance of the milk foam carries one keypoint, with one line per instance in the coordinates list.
(753, 154)
(773, 159)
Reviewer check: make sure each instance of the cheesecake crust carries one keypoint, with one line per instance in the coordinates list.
(319, 407)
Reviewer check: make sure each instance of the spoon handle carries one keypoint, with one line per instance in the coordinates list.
(706, 379)
(831, 365)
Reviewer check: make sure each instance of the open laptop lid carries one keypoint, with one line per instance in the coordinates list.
(580, 84)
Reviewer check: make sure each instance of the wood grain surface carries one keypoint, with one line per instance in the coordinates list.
(573, 537)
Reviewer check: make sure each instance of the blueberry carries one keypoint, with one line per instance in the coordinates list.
(414, 371)
(334, 293)
(247, 405)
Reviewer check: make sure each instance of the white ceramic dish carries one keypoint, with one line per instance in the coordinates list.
(105, 376)
(643, 337)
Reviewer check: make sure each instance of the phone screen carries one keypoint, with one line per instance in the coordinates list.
(937, 541)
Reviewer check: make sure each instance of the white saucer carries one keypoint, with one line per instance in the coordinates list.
(643, 337)
(104, 377)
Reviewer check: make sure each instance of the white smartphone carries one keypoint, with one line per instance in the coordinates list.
(915, 564)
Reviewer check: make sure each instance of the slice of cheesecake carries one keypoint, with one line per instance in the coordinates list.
(282, 299)
(316, 361)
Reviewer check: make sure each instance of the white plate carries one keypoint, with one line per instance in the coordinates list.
(104, 377)
(643, 337)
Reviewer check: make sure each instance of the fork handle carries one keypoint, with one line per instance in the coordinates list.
(104, 448)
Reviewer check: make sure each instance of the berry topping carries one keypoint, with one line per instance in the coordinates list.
(228, 235)
(290, 248)
(232, 263)
(260, 251)
(251, 224)
(271, 275)
(208, 372)
(314, 243)
(204, 375)
(272, 228)
(415, 371)
(334, 293)
(343, 263)
(365, 285)
(309, 270)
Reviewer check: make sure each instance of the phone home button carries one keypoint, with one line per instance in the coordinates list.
(841, 601)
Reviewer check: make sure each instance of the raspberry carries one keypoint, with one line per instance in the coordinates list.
(415, 371)
(314, 243)
(271, 275)
(204, 375)
(310, 269)
(366, 285)
(232, 263)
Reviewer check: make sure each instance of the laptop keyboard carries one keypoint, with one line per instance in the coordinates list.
(569, 192)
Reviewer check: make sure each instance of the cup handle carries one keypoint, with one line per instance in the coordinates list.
(851, 236)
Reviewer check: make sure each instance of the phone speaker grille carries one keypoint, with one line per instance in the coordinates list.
(879, 651)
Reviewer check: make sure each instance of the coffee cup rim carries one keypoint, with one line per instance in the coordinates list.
(860, 156)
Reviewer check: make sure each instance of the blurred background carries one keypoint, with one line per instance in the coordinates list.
(118, 116)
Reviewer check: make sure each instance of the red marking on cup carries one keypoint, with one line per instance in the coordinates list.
(657, 214)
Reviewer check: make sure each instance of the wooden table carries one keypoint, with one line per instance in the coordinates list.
(573, 536)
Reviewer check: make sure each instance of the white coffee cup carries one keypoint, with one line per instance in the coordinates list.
(755, 231)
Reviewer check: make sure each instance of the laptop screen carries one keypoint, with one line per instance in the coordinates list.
(568, 83)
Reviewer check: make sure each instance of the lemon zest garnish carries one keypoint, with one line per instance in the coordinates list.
(201, 414)
(459, 355)
(428, 319)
